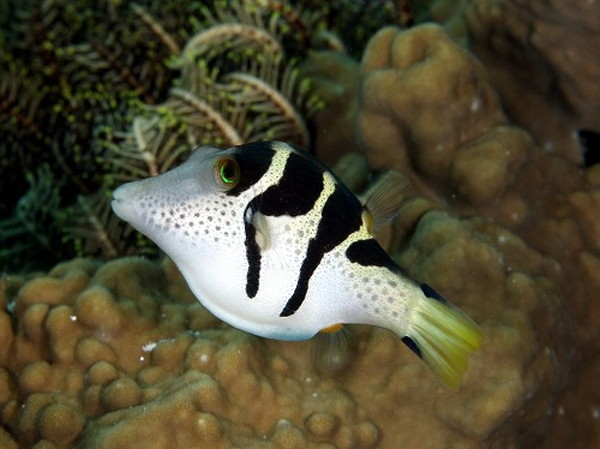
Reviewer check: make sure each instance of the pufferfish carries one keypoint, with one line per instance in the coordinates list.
(273, 243)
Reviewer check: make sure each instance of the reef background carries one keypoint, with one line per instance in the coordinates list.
(490, 109)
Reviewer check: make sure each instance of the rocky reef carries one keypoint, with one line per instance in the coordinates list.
(505, 223)
(539, 56)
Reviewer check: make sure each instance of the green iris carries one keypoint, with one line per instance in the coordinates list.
(229, 171)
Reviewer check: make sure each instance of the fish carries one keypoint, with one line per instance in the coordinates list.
(272, 242)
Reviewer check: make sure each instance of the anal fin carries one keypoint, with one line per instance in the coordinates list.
(332, 350)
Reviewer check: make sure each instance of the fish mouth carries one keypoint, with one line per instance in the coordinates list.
(117, 206)
(114, 203)
(119, 203)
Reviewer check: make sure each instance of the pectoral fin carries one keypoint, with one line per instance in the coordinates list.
(262, 235)
(388, 197)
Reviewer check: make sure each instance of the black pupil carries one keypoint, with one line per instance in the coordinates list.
(228, 171)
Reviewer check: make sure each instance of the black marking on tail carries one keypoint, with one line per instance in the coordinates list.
(340, 218)
(431, 293)
(369, 253)
(412, 345)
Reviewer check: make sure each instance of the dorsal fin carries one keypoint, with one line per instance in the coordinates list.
(388, 197)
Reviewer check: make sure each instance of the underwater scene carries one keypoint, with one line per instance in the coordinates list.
(240, 224)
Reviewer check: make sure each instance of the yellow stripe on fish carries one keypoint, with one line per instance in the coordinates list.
(272, 242)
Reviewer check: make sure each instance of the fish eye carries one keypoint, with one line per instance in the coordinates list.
(227, 172)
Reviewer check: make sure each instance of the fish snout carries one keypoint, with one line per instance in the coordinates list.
(123, 201)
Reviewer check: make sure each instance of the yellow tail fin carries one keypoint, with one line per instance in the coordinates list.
(442, 336)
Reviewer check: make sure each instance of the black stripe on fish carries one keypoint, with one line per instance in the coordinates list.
(369, 253)
(254, 160)
(254, 260)
(341, 216)
(295, 194)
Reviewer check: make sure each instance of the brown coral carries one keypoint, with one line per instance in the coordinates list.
(540, 55)
(122, 354)
(435, 107)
